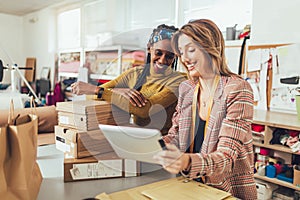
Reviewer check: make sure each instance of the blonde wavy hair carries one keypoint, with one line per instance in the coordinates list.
(209, 38)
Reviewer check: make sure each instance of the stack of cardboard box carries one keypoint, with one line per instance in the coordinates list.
(88, 155)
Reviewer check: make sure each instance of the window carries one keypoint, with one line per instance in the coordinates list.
(225, 13)
(95, 23)
(151, 13)
(69, 29)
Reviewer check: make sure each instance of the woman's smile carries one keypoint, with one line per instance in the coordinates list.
(190, 67)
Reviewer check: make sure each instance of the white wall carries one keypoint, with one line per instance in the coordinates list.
(34, 35)
(225, 13)
(275, 21)
(11, 38)
(40, 39)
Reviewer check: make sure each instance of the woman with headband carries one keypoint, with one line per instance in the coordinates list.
(147, 92)
(210, 140)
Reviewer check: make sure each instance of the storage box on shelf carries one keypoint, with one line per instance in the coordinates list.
(271, 121)
(265, 190)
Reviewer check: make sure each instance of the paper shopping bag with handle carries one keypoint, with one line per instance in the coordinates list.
(20, 175)
(3, 158)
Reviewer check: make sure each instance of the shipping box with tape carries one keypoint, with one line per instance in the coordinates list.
(87, 114)
(80, 144)
(107, 165)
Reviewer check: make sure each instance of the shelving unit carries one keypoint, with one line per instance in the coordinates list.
(272, 120)
(107, 62)
(276, 147)
(277, 181)
(109, 56)
(68, 74)
(69, 62)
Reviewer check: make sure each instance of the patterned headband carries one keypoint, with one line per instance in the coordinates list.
(161, 35)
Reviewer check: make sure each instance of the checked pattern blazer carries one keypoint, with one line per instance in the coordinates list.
(226, 158)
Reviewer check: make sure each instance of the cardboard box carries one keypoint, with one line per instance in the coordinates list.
(85, 122)
(80, 144)
(296, 180)
(87, 114)
(84, 107)
(107, 165)
(265, 189)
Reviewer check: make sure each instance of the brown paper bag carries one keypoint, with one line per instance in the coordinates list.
(20, 175)
(3, 158)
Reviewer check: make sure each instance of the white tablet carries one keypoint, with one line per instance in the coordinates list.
(134, 143)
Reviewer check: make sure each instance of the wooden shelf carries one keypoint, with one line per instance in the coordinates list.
(276, 119)
(102, 77)
(271, 120)
(276, 147)
(277, 181)
(68, 74)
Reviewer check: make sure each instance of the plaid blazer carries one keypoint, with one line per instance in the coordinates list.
(226, 158)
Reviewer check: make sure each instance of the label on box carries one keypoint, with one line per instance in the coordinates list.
(61, 145)
(63, 119)
(102, 169)
(130, 167)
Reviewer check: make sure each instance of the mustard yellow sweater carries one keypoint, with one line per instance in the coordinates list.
(161, 91)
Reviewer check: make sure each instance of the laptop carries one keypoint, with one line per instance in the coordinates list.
(133, 143)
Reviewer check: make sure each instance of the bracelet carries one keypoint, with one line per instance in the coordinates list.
(185, 172)
(100, 92)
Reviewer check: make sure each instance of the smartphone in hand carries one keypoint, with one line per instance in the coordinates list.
(162, 144)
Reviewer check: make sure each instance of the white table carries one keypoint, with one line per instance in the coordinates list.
(53, 187)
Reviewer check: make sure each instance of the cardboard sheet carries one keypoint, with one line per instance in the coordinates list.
(173, 188)
(190, 190)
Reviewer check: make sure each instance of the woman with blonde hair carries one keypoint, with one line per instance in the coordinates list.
(210, 139)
